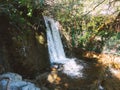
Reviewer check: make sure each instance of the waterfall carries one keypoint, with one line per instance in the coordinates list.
(56, 51)
(55, 47)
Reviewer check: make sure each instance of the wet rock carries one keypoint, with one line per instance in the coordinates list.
(11, 76)
(49, 78)
(13, 81)
(42, 79)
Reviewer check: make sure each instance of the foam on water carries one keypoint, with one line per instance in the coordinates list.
(72, 69)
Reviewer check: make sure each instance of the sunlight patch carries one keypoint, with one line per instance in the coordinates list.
(115, 72)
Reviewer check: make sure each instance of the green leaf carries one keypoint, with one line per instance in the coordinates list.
(118, 35)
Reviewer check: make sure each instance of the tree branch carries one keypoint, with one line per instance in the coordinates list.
(94, 7)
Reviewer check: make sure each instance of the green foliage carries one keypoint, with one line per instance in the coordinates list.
(86, 31)
(113, 44)
(18, 11)
(22, 15)
(118, 35)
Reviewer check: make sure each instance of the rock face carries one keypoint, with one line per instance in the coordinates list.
(12, 81)
(23, 52)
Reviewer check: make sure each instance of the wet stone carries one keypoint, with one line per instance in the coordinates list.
(11, 76)
(12, 81)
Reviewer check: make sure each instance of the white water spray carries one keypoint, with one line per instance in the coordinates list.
(56, 51)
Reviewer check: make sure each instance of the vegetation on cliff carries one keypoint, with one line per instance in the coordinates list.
(88, 24)
(23, 37)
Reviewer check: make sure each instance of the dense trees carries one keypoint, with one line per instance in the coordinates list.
(87, 23)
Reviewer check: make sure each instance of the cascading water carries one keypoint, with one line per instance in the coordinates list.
(56, 51)
(54, 42)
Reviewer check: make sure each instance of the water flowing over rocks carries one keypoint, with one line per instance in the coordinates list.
(56, 51)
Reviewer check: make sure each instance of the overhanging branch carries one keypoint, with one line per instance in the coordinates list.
(94, 7)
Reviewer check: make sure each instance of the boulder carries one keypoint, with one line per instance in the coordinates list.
(13, 81)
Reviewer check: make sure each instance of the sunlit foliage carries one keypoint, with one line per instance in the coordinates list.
(25, 20)
(23, 14)
(89, 23)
